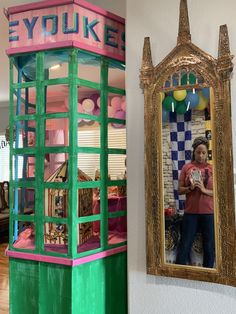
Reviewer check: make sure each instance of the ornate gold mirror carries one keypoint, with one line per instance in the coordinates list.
(189, 182)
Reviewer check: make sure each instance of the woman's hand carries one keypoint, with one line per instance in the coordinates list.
(192, 183)
(200, 185)
(182, 189)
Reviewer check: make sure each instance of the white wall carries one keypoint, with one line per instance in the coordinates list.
(158, 19)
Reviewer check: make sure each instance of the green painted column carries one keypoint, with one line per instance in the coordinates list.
(97, 287)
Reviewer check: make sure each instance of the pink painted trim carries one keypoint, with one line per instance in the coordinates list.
(61, 44)
(53, 3)
(40, 258)
(64, 44)
(103, 52)
(65, 261)
(100, 255)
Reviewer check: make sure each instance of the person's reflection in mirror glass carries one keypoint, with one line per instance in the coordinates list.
(196, 181)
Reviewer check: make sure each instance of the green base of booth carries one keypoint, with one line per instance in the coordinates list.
(97, 287)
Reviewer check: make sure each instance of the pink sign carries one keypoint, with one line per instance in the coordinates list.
(52, 24)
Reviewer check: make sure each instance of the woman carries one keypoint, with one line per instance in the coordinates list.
(196, 181)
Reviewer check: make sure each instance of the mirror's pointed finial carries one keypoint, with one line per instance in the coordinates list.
(223, 48)
(224, 62)
(147, 55)
(184, 29)
(147, 66)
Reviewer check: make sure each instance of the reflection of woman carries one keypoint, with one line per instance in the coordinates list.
(196, 181)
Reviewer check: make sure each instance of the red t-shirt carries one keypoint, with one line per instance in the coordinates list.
(196, 201)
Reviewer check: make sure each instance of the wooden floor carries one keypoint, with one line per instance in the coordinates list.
(4, 282)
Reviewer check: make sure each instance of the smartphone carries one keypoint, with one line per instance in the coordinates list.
(196, 175)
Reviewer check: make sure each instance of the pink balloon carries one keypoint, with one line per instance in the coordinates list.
(96, 112)
(123, 105)
(110, 111)
(120, 114)
(80, 108)
(94, 97)
(98, 102)
(116, 103)
(88, 105)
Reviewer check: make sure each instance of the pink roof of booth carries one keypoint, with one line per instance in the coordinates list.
(65, 23)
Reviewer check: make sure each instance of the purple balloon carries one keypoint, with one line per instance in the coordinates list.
(120, 114)
(94, 98)
(96, 111)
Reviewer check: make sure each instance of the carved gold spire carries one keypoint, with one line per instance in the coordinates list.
(223, 48)
(147, 55)
(147, 66)
(184, 29)
(224, 62)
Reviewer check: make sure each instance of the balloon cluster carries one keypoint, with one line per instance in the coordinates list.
(91, 105)
(180, 101)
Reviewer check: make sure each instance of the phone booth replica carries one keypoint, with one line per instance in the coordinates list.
(67, 244)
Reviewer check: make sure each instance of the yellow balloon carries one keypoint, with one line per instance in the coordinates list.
(180, 94)
(203, 102)
(162, 96)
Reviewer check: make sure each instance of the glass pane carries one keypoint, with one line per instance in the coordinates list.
(88, 102)
(24, 201)
(15, 73)
(55, 167)
(116, 202)
(57, 98)
(25, 64)
(117, 108)
(86, 201)
(23, 167)
(116, 166)
(117, 226)
(56, 62)
(56, 132)
(116, 75)
(56, 237)
(89, 67)
(88, 165)
(88, 239)
(116, 135)
(56, 203)
(25, 101)
(117, 230)
(24, 234)
(25, 132)
(89, 134)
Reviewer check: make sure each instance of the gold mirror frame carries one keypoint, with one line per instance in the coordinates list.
(216, 74)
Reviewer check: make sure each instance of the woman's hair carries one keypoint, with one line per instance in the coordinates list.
(201, 140)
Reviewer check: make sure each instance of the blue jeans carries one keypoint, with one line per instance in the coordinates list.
(191, 224)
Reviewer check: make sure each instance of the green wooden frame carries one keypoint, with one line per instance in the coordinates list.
(39, 219)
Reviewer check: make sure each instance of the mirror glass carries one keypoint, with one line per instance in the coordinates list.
(187, 168)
